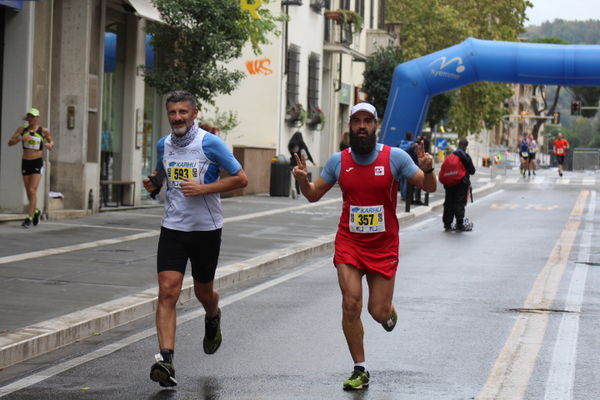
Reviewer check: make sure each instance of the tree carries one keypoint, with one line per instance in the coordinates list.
(433, 25)
(197, 40)
(540, 107)
(378, 75)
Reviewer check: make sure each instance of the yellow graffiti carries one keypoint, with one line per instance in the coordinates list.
(512, 206)
(259, 66)
(251, 7)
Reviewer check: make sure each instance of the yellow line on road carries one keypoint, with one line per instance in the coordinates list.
(510, 375)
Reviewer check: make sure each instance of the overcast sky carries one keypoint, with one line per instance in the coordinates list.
(549, 10)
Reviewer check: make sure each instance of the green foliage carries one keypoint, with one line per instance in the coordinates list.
(550, 40)
(225, 121)
(576, 32)
(432, 25)
(589, 96)
(198, 39)
(378, 75)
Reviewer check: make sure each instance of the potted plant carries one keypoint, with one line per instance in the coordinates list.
(315, 118)
(346, 17)
(295, 115)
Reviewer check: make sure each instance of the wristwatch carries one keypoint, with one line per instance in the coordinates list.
(429, 171)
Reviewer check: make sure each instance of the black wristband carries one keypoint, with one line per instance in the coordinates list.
(429, 171)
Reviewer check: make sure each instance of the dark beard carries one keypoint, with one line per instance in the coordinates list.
(361, 144)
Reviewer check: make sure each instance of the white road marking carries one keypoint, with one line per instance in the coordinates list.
(561, 375)
(76, 225)
(147, 234)
(111, 348)
(588, 181)
(512, 370)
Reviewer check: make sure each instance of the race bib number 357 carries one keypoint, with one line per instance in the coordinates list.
(367, 219)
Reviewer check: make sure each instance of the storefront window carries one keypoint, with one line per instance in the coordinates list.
(152, 114)
(112, 100)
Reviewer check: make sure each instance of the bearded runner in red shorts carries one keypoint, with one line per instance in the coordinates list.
(367, 239)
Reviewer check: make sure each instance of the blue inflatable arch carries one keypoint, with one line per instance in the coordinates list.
(416, 81)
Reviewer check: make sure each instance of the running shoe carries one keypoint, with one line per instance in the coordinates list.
(212, 333)
(467, 226)
(390, 324)
(36, 216)
(358, 380)
(163, 372)
(27, 223)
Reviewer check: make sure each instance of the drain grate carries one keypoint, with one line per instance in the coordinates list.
(540, 310)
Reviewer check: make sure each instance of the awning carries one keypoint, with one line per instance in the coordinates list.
(339, 48)
(145, 9)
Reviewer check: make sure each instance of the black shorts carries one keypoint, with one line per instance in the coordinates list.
(30, 167)
(202, 248)
(560, 159)
(532, 156)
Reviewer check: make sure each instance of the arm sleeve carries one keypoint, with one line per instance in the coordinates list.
(160, 152)
(217, 151)
(331, 170)
(402, 164)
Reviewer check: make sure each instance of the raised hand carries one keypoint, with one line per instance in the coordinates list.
(425, 159)
(300, 171)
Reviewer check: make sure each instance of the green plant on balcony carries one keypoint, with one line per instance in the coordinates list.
(295, 115)
(315, 118)
(345, 17)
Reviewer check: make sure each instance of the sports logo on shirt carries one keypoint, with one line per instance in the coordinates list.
(379, 170)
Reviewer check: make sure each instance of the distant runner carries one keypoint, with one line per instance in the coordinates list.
(35, 139)
(560, 150)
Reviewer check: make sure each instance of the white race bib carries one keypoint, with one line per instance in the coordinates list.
(177, 170)
(33, 143)
(367, 219)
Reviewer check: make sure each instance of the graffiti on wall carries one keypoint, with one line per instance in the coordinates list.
(261, 66)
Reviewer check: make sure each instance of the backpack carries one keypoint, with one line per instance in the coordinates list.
(452, 171)
(409, 147)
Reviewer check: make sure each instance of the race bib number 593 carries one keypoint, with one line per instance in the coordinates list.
(367, 219)
(178, 170)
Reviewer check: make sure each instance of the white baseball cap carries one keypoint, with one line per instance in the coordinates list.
(368, 107)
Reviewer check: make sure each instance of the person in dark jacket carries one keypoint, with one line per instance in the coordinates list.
(457, 196)
(298, 146)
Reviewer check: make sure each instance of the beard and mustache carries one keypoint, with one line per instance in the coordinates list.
(180, 130)
(362, 144)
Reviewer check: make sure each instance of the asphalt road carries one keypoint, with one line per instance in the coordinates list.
(510, 310)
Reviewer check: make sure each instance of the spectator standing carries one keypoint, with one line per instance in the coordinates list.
(457, 195)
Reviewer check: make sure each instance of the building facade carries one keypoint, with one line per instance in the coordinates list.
(77, 62)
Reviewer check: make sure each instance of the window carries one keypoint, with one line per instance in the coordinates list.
(314, 64)
(293, 75)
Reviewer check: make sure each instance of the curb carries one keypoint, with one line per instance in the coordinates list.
(34, 340)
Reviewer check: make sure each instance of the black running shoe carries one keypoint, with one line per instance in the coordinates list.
(27, 223)
(36, 216)
(212, 333)
(163, 373)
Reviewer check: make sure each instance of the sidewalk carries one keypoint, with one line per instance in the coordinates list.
(67, 280)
